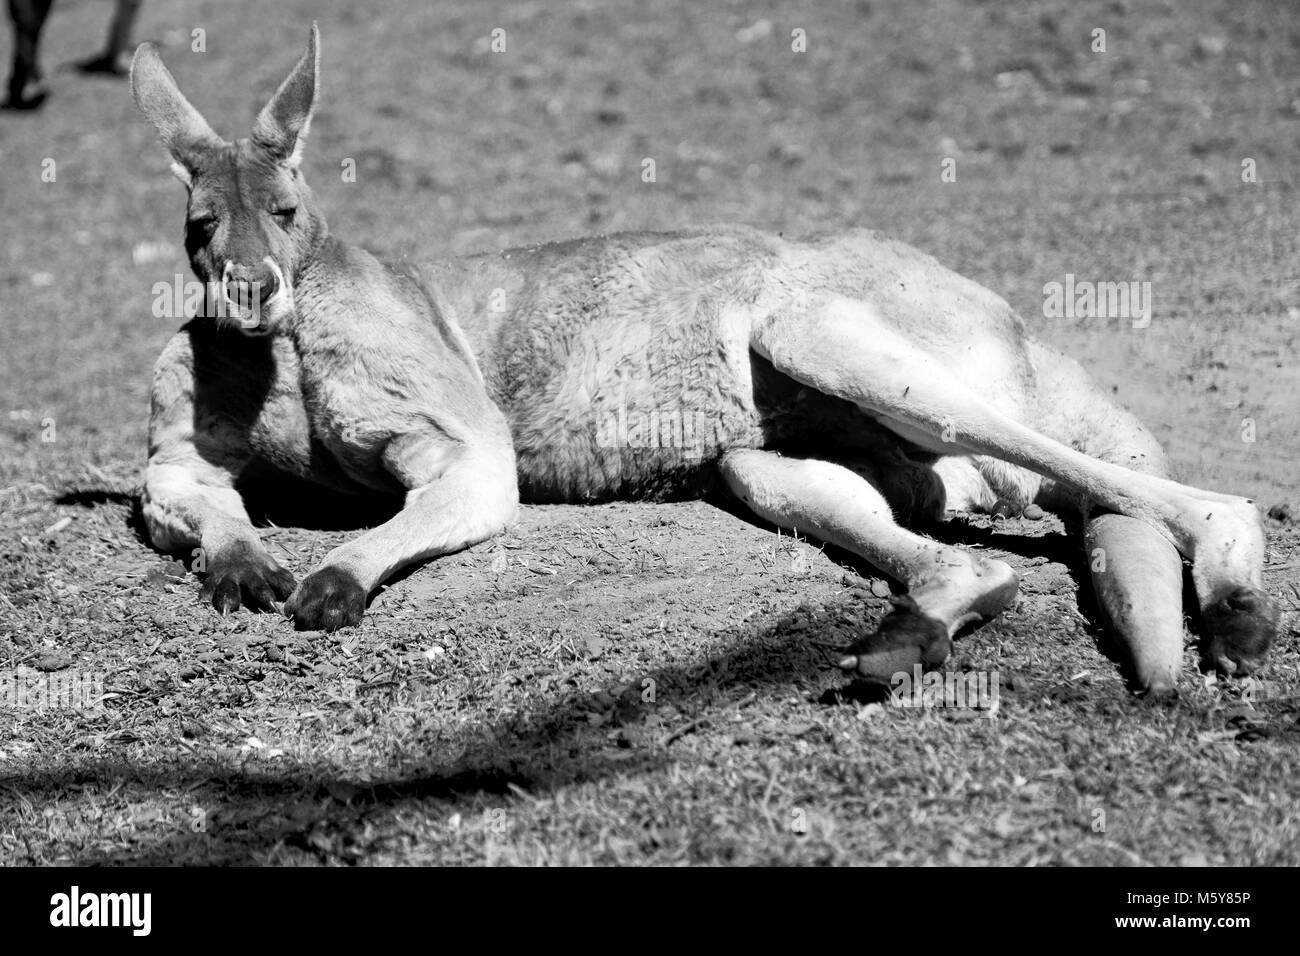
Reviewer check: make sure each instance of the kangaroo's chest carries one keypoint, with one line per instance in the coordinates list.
(313, 429)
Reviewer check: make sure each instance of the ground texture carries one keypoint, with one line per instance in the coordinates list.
(654, 683)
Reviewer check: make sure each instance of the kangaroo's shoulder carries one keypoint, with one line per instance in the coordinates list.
(348, 272)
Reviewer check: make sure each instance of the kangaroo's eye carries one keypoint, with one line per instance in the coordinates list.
(285, 215)
(204, 226)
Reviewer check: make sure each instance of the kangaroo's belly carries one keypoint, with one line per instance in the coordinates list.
(639, 404)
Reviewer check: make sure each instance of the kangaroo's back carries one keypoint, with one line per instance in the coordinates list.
(623, 363)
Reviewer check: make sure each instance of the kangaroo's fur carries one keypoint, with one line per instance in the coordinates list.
(829, 382)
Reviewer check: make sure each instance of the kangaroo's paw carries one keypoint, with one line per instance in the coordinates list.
(1241, 625)
(906, 637)
(327, 600)
(243, 575)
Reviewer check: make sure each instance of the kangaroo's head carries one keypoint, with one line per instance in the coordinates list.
(252, 222)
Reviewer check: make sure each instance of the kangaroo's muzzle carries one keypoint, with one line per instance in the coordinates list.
(246, 290)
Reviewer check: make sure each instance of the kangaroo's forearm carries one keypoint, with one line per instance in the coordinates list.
(475, 498)
(185, 508)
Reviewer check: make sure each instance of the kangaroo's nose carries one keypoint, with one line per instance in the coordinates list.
(243, 282)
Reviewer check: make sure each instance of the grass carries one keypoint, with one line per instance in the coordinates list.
(653, 683)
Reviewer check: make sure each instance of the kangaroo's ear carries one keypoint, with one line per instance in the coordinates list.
(181, 127)
(281, 127)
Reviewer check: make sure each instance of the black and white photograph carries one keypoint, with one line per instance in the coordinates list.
(647, 433)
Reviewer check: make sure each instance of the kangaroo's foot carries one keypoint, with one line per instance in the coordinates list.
(947, 587)
(1241, 626)
(920, 628)
(906, 637)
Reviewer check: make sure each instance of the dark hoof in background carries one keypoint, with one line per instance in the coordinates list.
(104, 65)
(1240, 628)
(327, 600)
(25, 104)
(905, 638)
(243, 577)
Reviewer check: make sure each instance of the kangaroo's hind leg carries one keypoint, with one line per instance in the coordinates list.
(947, 587)
(844, 348)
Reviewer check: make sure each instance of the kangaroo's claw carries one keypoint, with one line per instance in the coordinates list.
(244, 577)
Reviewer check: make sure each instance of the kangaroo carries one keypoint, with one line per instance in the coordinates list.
(829, 383)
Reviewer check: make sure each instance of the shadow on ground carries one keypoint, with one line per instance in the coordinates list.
(252, 812)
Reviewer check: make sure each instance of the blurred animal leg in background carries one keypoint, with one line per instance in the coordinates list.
(119, 37)
(27, 18)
